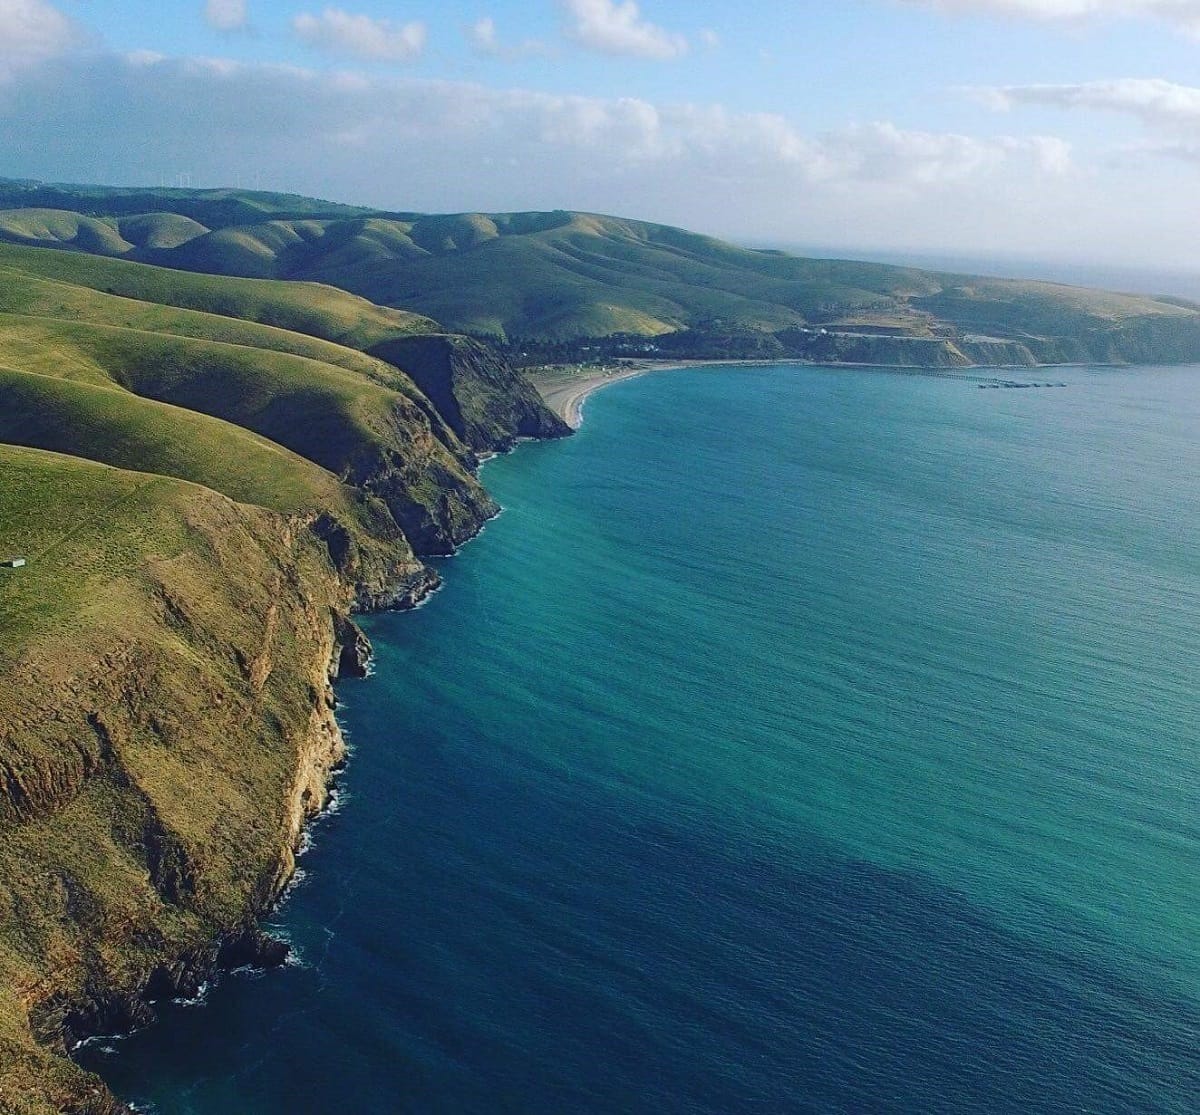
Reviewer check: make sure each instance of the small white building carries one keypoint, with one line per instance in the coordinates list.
(13, 563)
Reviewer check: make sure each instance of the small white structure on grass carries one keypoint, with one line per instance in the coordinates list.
(13, 563)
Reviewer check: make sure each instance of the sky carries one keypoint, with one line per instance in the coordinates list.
(1061, 130)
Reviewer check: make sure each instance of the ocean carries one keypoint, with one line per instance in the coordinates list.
(797, 740)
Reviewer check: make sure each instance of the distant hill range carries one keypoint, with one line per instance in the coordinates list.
(564, 285)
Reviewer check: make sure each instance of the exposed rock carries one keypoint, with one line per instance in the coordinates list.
(353, 649)
(156, 778)
(483, 399)
(437, 508)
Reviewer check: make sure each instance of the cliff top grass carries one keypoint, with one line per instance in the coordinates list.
(309, 308)
(32, 296)
(72, 520)
(118, 428)
(326, 413)
(164, 649)
(282, 360)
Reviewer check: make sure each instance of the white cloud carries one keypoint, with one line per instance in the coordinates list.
(710, 39)
(485, 40)
(882, 152)
(225, 15)
(1158, 103)
(1180, 150)
(378, 40)
(482, 36)
(617, 27)
(32, 31)
(445, 146)
(1182, 13)
(1169, 113)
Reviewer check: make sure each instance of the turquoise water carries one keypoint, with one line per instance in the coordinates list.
(797, 740)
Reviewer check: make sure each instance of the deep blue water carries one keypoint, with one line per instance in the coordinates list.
(797, 741)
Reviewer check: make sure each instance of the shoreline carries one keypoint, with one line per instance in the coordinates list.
(566, 395)
(565, 392)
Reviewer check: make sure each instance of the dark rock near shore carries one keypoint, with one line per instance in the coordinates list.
(483, 399)
(353, 648)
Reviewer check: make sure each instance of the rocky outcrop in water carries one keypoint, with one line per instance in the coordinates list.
(352, 652)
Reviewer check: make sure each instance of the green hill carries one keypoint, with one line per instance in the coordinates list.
(311, 309)
(558, 285)
(164, 726)
(366, 434)
(129, 432)
(204, 476)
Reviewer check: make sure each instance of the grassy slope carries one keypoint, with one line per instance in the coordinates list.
(171, 336)
(321, 411)
(562, 276)
(134, 582)
(361, 430)
(32, 296)
(311, 309)
(117, 428)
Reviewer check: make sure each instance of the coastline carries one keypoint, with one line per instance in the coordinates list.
(601, 420)
(211, 864)
(328, 646)
(565, 392)
(188, 969)
(343, 652)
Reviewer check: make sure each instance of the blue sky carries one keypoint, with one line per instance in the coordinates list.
(1068, 129)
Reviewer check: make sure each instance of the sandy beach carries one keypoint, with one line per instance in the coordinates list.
(565, 391)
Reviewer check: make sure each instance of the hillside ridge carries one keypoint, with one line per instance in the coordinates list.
(205, 478)
(565, 286)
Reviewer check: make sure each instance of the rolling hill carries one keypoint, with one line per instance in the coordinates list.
(557, 285)
(204, 476)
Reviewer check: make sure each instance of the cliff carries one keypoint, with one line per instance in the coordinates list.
(167, 727)
(485, 403)
(202, 500)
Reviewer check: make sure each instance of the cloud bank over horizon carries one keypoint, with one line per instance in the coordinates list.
(1011, 182)
(421, 144)
(1184, 14)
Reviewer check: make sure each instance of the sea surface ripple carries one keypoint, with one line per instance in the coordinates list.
(799, 740)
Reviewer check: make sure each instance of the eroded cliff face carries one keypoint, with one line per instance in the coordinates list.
(155, 775)
(166, 722)
(437, 503)
(478, 404)
(487, 403)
